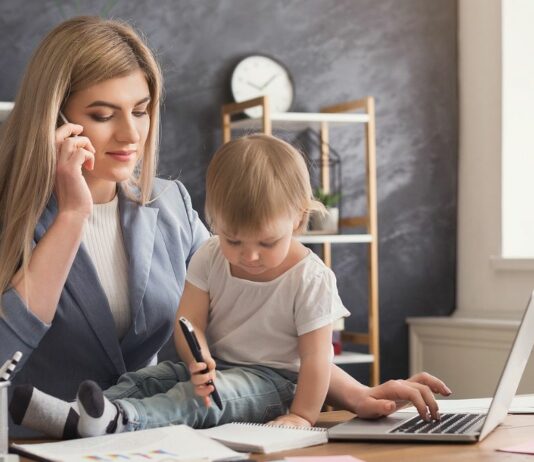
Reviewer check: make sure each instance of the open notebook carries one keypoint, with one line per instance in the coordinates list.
(264, 438)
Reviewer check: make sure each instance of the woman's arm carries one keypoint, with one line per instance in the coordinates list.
(199, 233)
(42, 282)
(315, 351)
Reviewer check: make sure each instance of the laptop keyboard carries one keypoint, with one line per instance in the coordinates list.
(449, 424)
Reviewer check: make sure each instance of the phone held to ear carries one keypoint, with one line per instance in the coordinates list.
(87, 163)
(63, 118)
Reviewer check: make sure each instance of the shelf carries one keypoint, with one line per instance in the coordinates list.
(350, 357)
(335, 238)
(300, 120)
(5, 109)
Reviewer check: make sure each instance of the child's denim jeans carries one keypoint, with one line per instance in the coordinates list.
(162, 395)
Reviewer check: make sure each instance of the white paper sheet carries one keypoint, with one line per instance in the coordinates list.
(174, 443)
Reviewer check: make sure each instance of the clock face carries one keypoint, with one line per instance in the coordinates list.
(260, 75)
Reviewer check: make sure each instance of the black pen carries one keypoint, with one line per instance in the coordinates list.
(194, 346)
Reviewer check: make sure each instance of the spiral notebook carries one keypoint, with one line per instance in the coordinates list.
(248, 437)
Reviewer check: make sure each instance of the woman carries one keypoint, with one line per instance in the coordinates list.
(107, 306)
(93, 248)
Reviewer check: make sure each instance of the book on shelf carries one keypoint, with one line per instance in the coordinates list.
(265, 439)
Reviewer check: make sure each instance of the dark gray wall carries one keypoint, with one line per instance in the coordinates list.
(403, 52)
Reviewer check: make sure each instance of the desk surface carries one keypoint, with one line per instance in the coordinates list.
(514, 430)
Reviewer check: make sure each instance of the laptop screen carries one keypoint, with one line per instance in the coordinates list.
(512, 372)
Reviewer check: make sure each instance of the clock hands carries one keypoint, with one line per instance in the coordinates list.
(254, 85)
(269, 81)
(260, 88)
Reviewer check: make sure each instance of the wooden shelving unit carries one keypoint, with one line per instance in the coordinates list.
(346, 114)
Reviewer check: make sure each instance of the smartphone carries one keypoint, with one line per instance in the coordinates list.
(194, 346)
(63, 118)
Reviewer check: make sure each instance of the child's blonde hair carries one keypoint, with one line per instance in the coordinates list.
(255, 179)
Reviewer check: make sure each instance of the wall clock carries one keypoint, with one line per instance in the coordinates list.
(259, 75)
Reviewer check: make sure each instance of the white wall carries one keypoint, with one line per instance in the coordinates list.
(469, 349)
(486, 288)
(518, 128)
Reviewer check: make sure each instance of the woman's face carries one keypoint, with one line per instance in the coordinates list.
(114, 117)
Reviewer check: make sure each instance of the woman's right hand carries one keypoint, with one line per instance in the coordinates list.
(73, 152)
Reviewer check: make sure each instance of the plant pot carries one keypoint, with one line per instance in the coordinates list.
(327, 223)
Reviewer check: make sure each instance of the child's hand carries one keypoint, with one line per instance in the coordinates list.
(291, 420)
(202, 377)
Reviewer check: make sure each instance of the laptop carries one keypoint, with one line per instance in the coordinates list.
(467, 428)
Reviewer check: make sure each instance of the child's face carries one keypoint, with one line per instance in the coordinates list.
(260, 253)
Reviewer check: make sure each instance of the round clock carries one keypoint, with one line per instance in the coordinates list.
(259, 75)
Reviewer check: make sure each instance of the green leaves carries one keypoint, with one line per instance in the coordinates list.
(327, 199)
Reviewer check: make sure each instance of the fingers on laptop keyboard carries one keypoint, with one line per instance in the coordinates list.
(421, 396)
(435, 384)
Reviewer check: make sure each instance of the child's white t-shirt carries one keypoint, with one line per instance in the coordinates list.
(259, 322)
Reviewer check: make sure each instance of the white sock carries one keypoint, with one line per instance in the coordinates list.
(98, 415)
(44, 413)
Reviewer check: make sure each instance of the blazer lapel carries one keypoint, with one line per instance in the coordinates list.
(84, 287)
(139, 226)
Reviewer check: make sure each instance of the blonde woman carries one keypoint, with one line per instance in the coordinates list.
(93, 248)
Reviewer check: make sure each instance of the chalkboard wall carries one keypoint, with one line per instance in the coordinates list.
(403, 52)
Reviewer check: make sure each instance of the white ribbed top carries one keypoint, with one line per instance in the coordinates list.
(102, 237)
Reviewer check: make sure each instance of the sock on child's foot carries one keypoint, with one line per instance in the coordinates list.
(98, 415)
(52, 416)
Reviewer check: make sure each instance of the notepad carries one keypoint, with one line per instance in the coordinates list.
(265, 438)
(174, 443)
(523, 448)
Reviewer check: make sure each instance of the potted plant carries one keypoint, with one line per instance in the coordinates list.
(329, 221)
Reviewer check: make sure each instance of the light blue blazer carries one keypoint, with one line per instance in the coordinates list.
(81, 342)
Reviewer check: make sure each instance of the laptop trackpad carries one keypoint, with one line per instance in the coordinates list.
(358, 426)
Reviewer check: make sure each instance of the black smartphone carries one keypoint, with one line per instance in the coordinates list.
(194, 346)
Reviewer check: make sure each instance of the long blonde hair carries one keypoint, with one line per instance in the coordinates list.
(75, 55)
(253, 180)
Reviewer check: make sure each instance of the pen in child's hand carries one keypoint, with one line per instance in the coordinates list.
(194, 346)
